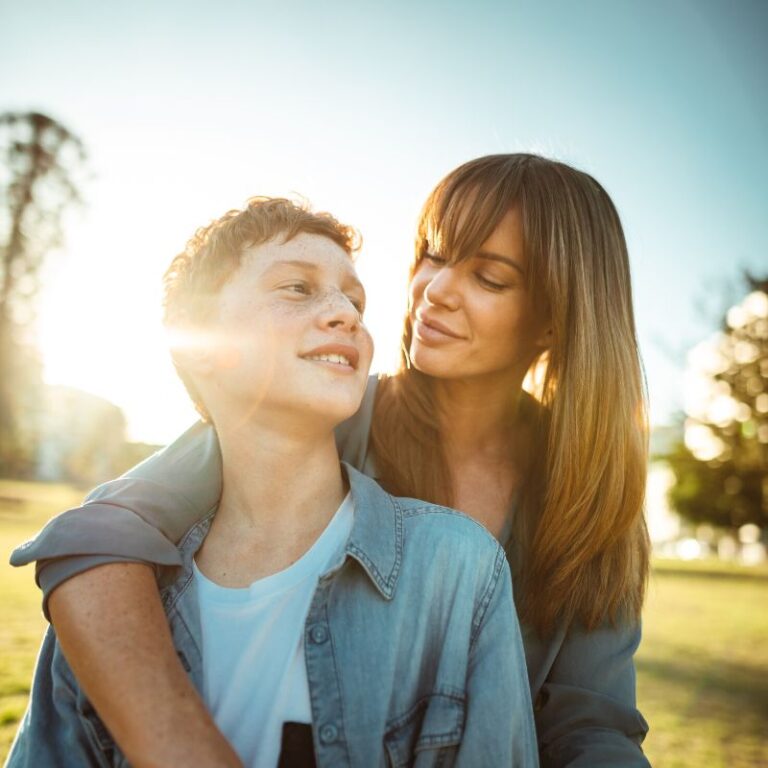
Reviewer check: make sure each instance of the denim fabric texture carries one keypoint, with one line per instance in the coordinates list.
(414, 654)
(582, 683)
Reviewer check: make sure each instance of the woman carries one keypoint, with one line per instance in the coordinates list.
(521, 268)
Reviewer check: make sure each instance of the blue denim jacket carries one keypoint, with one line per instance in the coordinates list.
(582, 682)
(414, 655)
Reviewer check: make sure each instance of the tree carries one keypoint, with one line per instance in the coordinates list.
(39, 178)
(721, 469)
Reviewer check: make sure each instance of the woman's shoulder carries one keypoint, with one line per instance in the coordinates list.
(353, 435)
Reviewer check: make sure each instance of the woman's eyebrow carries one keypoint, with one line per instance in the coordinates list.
(491, 256)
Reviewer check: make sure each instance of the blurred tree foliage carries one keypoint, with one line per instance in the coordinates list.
(721, 468)
(41, 163)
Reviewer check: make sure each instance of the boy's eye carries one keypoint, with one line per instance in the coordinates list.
(297, 287)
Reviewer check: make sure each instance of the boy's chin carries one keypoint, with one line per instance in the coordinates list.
(336, 408)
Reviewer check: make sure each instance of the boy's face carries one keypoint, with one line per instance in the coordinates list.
(289, 334)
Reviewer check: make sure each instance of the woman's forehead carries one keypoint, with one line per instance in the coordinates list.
(463, 232)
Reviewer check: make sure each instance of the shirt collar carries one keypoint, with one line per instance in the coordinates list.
(376, 541)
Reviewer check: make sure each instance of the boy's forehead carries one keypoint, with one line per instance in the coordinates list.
(305, 251)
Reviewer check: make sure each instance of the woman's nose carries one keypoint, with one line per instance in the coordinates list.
(442, 288)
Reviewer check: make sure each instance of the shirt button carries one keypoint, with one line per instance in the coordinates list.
(329, 733)
(318, 634)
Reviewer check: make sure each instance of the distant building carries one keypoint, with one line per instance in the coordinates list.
(82, 437)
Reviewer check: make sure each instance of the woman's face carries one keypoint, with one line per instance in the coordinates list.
(477, 317)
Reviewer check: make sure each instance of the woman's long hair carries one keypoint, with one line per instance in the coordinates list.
(579, 528)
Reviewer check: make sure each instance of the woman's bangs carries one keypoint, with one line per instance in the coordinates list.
(464, 214)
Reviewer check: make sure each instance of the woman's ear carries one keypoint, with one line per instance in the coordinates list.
(544, 339)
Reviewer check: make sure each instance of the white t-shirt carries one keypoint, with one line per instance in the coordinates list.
(254, 675)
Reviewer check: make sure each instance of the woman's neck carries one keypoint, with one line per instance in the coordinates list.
(478, 416)
(482, 439)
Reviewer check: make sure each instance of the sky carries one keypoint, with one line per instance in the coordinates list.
(187, 109)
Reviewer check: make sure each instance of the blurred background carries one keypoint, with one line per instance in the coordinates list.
(123, 128)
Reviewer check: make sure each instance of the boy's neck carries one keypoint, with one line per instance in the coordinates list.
(280, 490)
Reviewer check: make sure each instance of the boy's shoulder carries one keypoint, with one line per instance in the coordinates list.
(434, 524)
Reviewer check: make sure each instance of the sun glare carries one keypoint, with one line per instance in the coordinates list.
(99, 325)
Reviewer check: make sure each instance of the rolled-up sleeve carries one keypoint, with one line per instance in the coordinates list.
(138, 517)
(585, 712)
(88, 536)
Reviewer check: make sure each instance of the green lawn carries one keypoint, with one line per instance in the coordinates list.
(24, 508)
(702, 668)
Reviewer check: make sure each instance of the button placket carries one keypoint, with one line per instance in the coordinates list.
(323, 680)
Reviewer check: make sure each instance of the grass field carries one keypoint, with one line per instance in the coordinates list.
(702, 667)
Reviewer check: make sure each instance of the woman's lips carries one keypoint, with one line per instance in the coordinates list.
(429, 330)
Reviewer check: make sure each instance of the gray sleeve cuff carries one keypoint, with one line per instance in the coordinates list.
(119, 534)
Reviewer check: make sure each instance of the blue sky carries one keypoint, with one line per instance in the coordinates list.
(188, 108)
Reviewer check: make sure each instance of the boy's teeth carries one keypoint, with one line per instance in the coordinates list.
(331, 358)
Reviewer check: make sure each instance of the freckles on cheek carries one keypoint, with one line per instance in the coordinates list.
(298, 309)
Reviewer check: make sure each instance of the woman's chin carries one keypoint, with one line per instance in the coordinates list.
(433, 362)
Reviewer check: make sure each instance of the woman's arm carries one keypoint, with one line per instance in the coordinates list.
(585, 712)
(113, 632)
(109, 619)
(137, 517)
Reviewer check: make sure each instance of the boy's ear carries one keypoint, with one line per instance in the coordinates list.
(197, 359)
(191, 349)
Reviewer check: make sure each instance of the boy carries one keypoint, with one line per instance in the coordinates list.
(322, 620)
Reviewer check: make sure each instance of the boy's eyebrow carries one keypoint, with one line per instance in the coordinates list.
(492, 256)
(292, 263)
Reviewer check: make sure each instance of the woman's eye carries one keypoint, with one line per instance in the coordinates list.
(434, 259)
(491, 284)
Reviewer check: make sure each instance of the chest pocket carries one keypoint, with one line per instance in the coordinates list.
(428, 735)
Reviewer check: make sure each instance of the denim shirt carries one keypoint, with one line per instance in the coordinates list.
(582, 682)
(413, 651)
